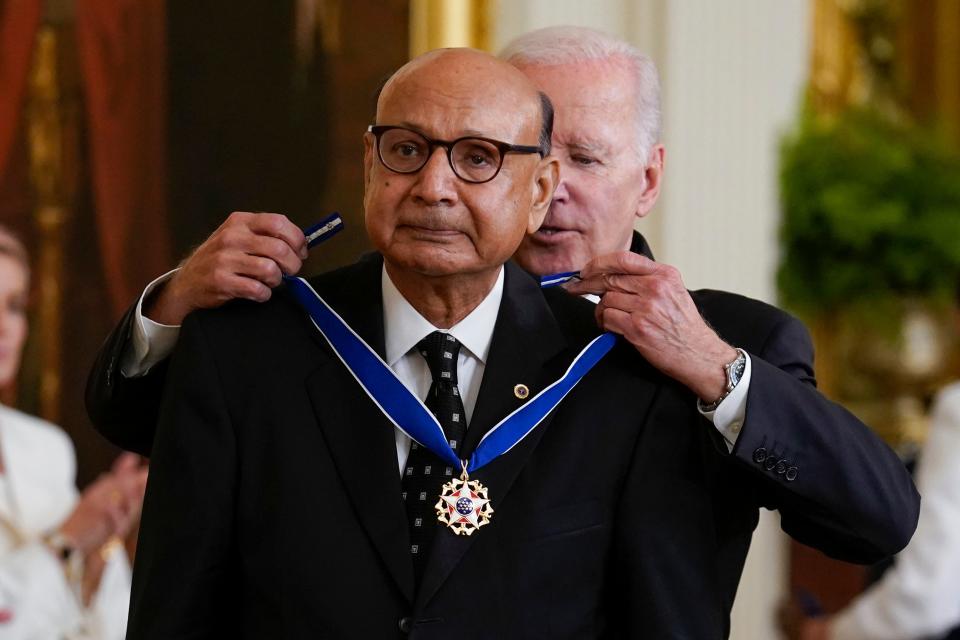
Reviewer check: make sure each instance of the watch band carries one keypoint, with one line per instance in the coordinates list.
(60, 545)
(69, 556)
(734, 373)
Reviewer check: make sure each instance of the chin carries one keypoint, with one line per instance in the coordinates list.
(434, 266)
(543, 262)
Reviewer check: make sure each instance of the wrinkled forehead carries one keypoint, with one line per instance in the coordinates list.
(608, 86)
(450, 100)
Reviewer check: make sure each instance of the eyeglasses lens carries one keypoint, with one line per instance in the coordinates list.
(475, 160)
(406, 151)
(402, 150)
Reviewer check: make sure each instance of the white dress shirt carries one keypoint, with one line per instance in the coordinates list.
(152, 342)
(404, 327)
(919, 597)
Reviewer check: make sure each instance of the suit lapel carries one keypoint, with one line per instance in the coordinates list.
(362, 445)
(360, 438)
(526, 343)
(525, 337)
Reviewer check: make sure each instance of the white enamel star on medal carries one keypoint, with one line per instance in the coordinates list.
(463, 505)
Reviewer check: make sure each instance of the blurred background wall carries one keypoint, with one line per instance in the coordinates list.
(130, 130)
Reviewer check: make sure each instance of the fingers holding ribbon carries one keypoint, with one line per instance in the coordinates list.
(244, 258)
(614, 272)
(648, 304)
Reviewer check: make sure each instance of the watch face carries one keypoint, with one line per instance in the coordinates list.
(736, 371)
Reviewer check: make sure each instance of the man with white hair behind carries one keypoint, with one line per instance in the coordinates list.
(607, 131)
(609, 142)
(607, 137)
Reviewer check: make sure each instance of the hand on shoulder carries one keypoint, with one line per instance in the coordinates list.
(244, 258)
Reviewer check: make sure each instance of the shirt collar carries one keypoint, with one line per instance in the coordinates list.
(404, 327)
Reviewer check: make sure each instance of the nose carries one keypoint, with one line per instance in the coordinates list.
(436, 183)
(560, 194)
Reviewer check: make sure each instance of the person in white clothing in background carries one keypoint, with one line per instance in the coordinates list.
(919, 597)
(64, 572)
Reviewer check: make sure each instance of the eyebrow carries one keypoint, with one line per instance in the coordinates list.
(585, 147)
(466, 133)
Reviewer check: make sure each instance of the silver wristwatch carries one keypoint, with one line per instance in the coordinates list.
(734, 372)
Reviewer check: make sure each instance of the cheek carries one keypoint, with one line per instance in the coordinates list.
(609, 204)
(586, 190)
(10, 365)
(612, 223)
(15, 326)
(378, 203)
(498, 232)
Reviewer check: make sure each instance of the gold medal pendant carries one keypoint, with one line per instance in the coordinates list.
(463, 505)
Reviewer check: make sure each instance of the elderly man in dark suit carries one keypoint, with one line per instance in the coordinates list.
(624, 513)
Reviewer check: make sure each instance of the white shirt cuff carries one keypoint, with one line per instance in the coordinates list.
(150, 342)
(729, 415)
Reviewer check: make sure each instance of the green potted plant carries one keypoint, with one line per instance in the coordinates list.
(871, 213)
(871, 249)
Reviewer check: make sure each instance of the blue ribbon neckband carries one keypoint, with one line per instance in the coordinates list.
(408, 413)
(323, 230)
(555, 279)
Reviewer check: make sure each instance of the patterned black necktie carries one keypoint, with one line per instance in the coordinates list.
(426, 472)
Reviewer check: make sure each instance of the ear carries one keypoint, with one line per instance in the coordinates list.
(368, 157)
(652, 177)
(546, 179)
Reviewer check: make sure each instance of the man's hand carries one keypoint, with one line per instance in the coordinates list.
(647, 303)
(244, 258)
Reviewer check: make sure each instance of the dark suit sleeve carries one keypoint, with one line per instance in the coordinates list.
(124, 409)
(837, 486)
(184, 582)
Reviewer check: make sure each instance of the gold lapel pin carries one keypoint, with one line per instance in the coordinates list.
(521, 391)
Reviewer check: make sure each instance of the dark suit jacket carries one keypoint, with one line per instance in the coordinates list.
(272, 509)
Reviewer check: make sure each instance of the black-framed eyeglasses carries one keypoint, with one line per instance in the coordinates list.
(474, 160)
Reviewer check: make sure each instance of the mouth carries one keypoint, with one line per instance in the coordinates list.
(552, 235)
(430, 231)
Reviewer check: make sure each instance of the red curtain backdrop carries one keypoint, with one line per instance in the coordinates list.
(19, 20)
(122, 47)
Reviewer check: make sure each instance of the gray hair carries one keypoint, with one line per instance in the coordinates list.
(567, 44)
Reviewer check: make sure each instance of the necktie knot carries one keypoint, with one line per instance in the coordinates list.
(440, 350)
